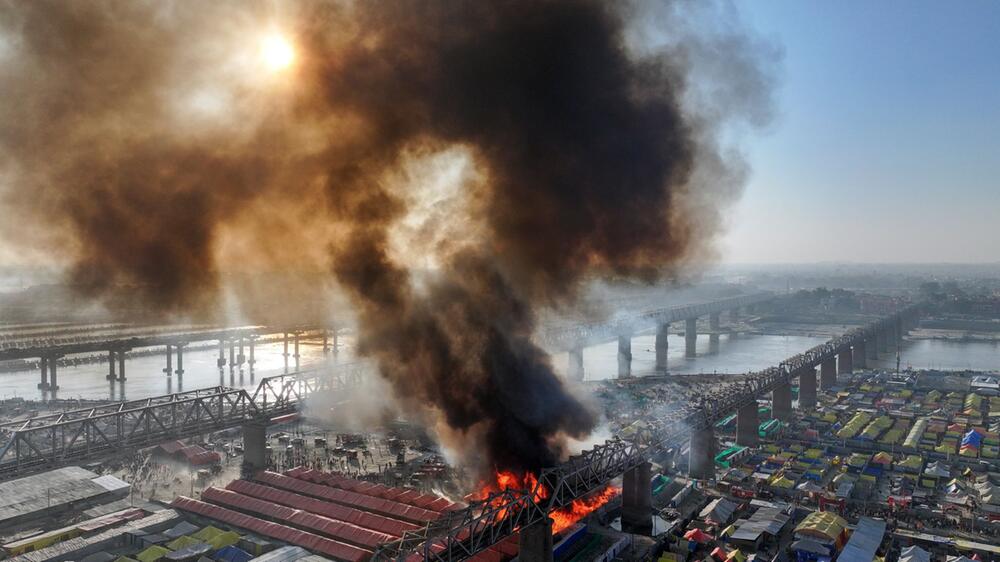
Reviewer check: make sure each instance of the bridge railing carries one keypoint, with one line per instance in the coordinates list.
(36, 443)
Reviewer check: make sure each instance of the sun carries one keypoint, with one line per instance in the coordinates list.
(277, 52)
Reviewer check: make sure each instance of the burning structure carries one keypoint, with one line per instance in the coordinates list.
(457, 167)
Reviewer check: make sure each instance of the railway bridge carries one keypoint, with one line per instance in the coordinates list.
(463, 533)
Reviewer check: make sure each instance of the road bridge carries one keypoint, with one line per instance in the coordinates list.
(79, 436)
(573, 339)
(49, 352)
(463, 533)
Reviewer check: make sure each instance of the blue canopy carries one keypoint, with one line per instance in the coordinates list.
(231, 554)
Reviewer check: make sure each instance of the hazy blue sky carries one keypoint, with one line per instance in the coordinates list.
(887, 142)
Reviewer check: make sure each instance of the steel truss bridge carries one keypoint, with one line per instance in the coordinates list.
(461, 534)
(78, 436)
(570, 337)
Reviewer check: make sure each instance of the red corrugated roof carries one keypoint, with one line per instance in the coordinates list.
(372, 521)
(367, 503)
(333, 528)
(309, 541)
(430, 502)
(171, 447)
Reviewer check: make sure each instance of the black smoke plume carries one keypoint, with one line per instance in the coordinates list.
(585, 156)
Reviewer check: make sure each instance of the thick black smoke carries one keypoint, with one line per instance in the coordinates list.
(590, 160)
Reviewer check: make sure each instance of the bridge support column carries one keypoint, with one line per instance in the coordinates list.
(734, 315)
(781, 402)
(170, 360)
(285, 353)
(844, 364)
(232, 355)
(747, 425)
(296, 351)
(53, 376)
(180, 360)
(121, 365)
(535, 542)
(326, 342)
(807, 389)
(883, 340)
(624, 355)
(858, 355)
(872, 347)
(662, 331)
(690, 337)
(575, 370)
(251, 361)
(637, 500)
(701, 463)
(713, 322)
(111, 365)
(254, 447)
(43, 366)
(221, 361)
(240, 358)
(828, 373)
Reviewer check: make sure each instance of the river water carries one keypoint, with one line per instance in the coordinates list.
(730, 355)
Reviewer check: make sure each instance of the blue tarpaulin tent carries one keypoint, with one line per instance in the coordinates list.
(231, 554)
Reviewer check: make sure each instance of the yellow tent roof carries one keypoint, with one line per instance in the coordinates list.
(223, 540)
(823, 524)
(207, 533)
(152, 554)
(181, 542)
(736, 555)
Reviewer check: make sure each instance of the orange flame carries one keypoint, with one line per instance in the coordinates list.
(562, 518)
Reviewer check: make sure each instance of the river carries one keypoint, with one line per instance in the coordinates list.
(731, 355)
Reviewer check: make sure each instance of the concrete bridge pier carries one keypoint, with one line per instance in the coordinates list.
(637, 500)
(53, 375)
(690, 337)
(43, 366)
(872, 348)
(121, 365)
(701, 463)
(254, 448)
(662, 331)
(858, 355)
(734, 315)
(285, 352)
(180, 361)
(251, 360)
(828, 373)
(747, 425)
(296, 351)
(807, 389)
(221, 361)
(170, 360)
(535, 542)
(240, 357)
(713, 321)
(781, 402)
(111, 365)
(624, 355)
(883, 340)
(844, 364)
(326, 342)
(575, 369)
(232, 356)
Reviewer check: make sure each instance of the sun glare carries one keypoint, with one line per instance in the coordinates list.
(277, 52)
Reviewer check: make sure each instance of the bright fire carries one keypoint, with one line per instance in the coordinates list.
(562, 518)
